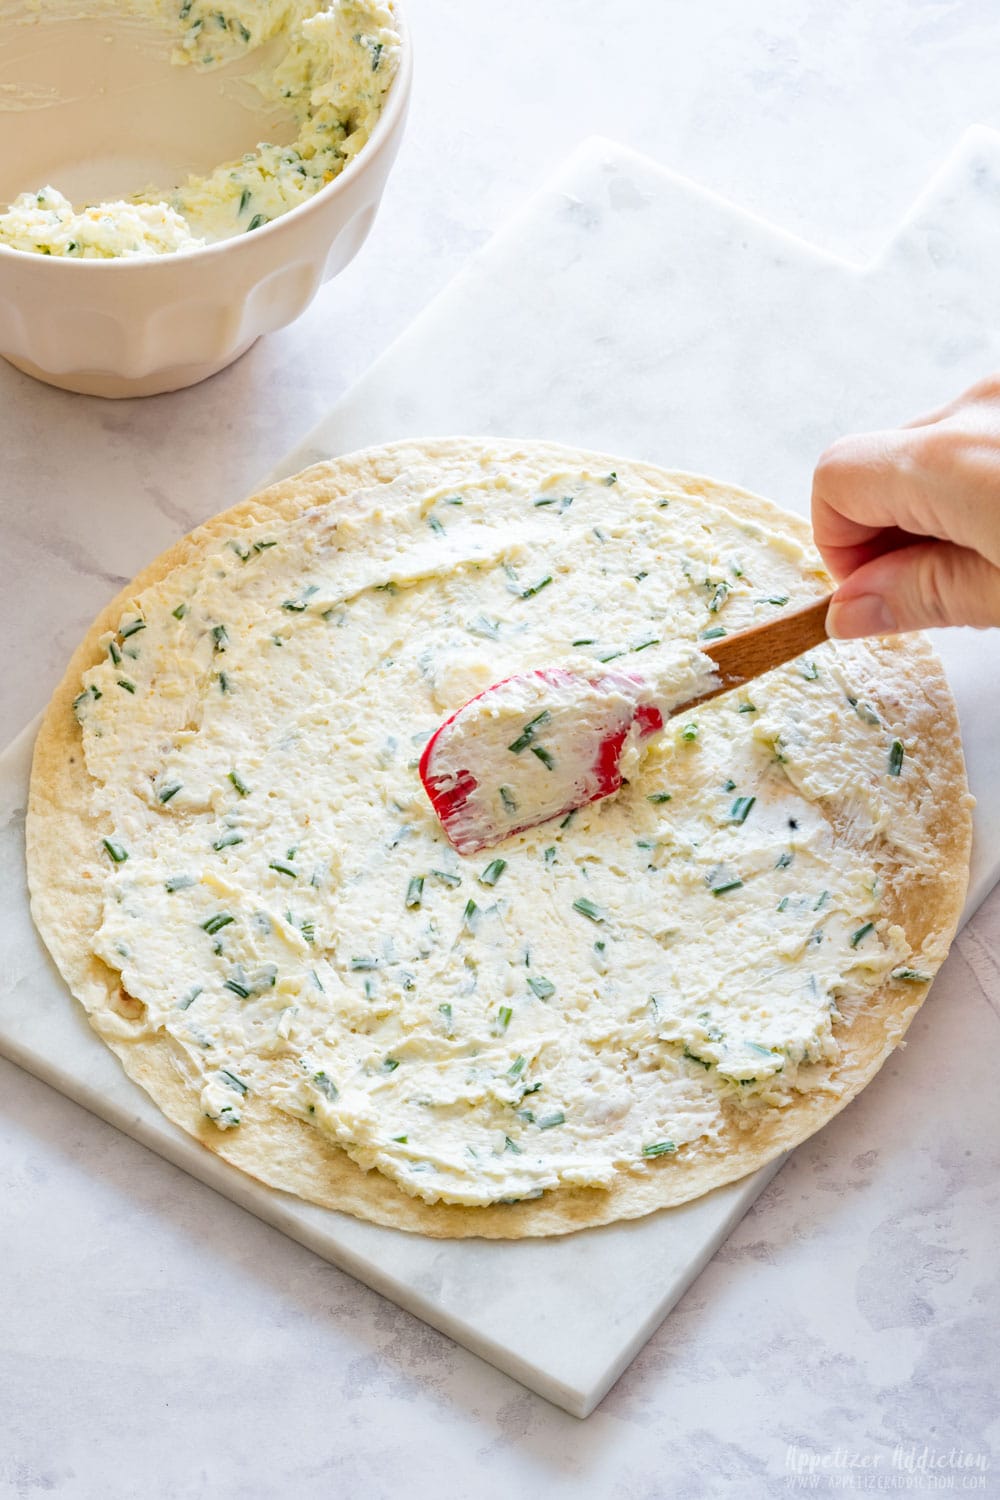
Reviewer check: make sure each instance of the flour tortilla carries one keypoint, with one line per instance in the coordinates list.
(65, 872)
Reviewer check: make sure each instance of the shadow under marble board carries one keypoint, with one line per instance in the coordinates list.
(624, 309)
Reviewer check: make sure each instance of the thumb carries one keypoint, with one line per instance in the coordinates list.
(917, 588)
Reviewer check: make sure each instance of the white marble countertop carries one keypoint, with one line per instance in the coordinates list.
(152, 1335)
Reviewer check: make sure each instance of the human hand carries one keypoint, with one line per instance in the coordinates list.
(908, 520)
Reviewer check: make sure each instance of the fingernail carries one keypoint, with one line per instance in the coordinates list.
(865, 614)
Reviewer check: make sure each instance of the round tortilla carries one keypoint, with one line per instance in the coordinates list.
(64, 876)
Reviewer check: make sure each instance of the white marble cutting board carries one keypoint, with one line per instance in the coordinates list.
(628, 310)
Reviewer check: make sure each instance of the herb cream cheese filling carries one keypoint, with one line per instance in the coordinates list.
(586, 998)
(338, 61)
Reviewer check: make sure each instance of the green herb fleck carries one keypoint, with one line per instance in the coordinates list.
(659, 1148)
(114, 653)
(257, 222)
(507, 798)
(912, 976)
(689, 732)
(527, 734)
(124, 682)
(390, 1064)
(726, 885)
(227, 840)
(245, 197)
(179, 612)
(447, 878)
(517, 1067)
(325, 1084)
(283, 869)
(536, 588)
(179, 883)
(503, 1020)
(546, 1122)
(493, 871)
(542, 987)
(131, 628)
(740, 809)
(166, 792)
(238, 988)
(220, 638)
(470, 916)
(896, 753)
(588, 908)
(544, 756)
(415, 891)
(862, 933)
(714, 634)
(239, 783)
(118, 853)
(215, 924)
(659, 797)
(364, 963)
(233, 1081)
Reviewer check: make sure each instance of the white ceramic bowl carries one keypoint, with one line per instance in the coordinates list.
(138, 326)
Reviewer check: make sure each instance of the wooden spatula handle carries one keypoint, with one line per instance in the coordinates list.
(739, 658)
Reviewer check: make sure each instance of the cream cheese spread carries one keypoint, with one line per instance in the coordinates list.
(581, 1000)
(339, 60)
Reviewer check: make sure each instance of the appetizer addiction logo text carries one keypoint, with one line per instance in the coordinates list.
(908, 1467)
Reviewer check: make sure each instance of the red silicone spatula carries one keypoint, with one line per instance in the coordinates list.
(538, 745)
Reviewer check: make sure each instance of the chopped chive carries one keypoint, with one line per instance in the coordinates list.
(123, 682)
(364, 963)
(536, 588)
(189, 998)
(896, 753)
(714, 634)
(167, 792)
(862, 933)
(507, 798)
(546, 1122)
(527, 734)
(658, 797)
(729, 785)
(740, 809)
(283, 869)
(245, 197)
(215, 924)
(809, 671)
(509, 1145)
(689, 732)
(588, 908)
(179, 883)
(550, 855)
(783, 904)
(325, 1084)
(179, 612)
(543, 988)
(544, 756)
(611, 479)
(238, 988)
(493, 871)
(821, 900)
(257, 222)
(447, 878)
(865, 712)
(445, 1011)
(612, 655)
(726, 885)
(227, 840)
(912, 976)
(585, 641)
(220, 638)
(390, 1064)
(263, 545)
(784, 859)
(131, 628)
(470, 916)
(746, 708)
(654, 640)
(780, 600)
(567, 820)
(503, 1020)
(415, 891)
(239, 783)
(719, 598)
(517, 1067)
(296, 606)
(118, 853)
(114, 653)
(403, 1140)
(659, 1148)
(223, 682)
(233, 1081)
